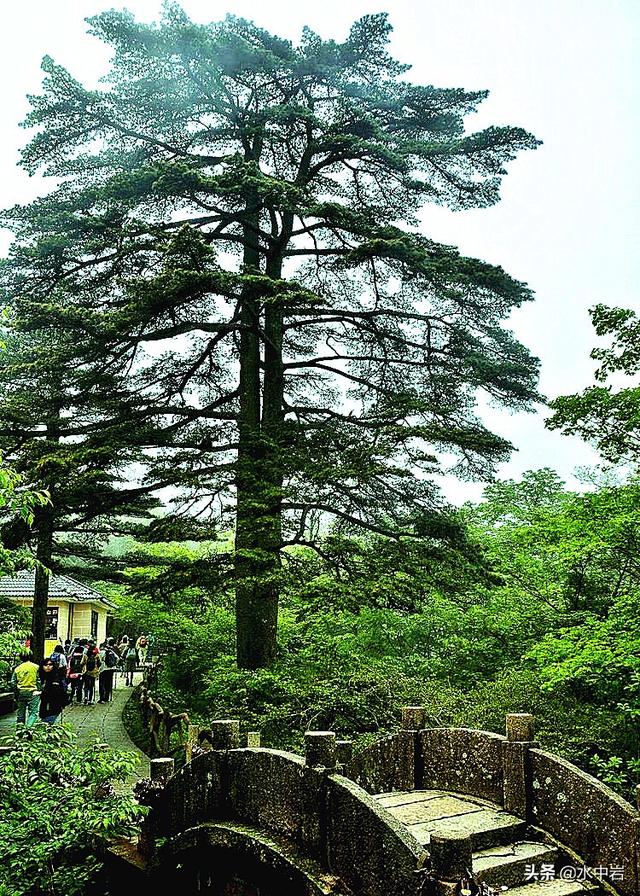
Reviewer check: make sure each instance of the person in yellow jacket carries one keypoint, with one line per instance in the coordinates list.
(25, 681)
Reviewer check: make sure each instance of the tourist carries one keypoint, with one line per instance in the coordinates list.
(123, 647)
(109, 659)
(90, 671)
(142, 646)
(130, 664)
(75, 672)
(25, 682)
(53, 698)
(59, 658)
(111, 642)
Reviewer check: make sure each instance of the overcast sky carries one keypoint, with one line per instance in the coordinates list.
(568, 222)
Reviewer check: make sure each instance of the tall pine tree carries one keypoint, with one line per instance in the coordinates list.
(60, 431)
(237, 227)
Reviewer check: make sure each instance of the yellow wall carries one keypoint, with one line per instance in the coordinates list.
(74, 620)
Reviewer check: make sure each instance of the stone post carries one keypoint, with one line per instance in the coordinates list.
(161, 769)
(410, 754)
(450, 856)
(320, 749)
(148, 792)
(225, 734)
(344, 751)
(515, 762)
(520, 726)
(192, 741)
(413, 718)
(253, 738)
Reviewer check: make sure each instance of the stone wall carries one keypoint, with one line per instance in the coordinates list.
(366, 847)
(463, 761)
(387, 765)
(585, 815)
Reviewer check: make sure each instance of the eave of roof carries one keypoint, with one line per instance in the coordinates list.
(21, 586)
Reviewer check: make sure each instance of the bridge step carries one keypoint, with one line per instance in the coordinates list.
(506, 866)
(556, 888)
(437, 812)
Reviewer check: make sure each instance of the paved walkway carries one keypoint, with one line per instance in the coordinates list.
(102, 721)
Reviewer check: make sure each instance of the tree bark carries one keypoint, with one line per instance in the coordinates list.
(44, 550)
(257, 541)
(45, 524)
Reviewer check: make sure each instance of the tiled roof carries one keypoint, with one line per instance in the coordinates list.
(22, 585)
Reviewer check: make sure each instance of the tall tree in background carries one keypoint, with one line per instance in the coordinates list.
(604, 416)
(238, 229)
(57, 430)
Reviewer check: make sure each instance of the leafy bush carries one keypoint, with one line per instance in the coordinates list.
(59, 808)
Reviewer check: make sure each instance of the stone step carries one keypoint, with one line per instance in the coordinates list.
(555, 888)
(426, 812)
(485, 827)
(506, 865)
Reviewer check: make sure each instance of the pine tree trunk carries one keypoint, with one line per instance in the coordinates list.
(45, 523)
(257, 541)
(44, 550)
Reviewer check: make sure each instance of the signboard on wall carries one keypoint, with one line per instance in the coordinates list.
(51, 624)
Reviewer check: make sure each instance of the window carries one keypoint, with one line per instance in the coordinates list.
(94, 623)
(51, 624)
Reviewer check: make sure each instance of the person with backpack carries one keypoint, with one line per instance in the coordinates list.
(74, 674)
(130, 664)
(59, 658)
(109, 659)
(90, 671)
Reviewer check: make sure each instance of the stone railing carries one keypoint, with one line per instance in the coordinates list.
(576, 809)
(325, 817)
(581, 812)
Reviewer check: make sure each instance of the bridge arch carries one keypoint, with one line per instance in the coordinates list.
(291, 820)
(259, 822)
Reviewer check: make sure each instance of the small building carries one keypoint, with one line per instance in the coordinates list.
(74, 610)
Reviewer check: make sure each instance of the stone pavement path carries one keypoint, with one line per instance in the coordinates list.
(102, 720)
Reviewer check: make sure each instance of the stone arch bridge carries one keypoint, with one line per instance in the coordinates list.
(410, 816)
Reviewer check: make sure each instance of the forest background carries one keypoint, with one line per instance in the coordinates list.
(526, 600)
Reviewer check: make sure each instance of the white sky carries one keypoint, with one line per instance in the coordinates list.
(568, 223)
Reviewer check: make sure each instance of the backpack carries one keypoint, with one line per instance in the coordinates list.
(131, 654)
(75, 665)
(91, 663)
(59, 659)
(110, 658)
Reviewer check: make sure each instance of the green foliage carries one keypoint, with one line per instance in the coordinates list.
(18, 501)
(531, 606)
(608, 418)
(260, 201)
(59, 808)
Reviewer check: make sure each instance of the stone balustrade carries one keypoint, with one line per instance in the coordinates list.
(323, 802)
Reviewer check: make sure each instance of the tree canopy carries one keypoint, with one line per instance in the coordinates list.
(235, 239)
(609, 418)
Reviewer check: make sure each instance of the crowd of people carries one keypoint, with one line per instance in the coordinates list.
(69, 675)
